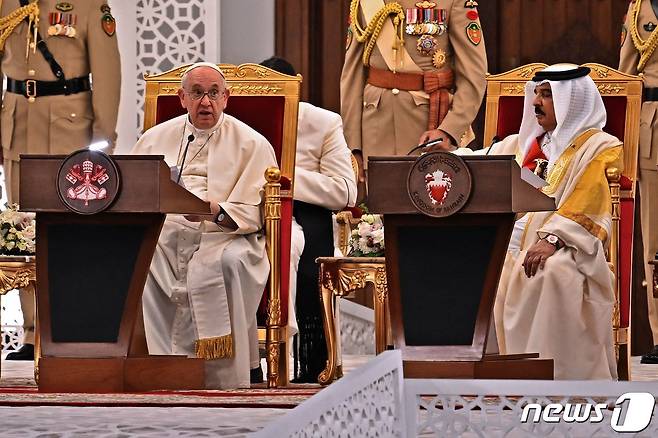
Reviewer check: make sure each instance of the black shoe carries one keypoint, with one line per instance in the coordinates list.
(651, 357)
(26, 352)
(256, 375)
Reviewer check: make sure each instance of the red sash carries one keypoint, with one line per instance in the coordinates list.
(534, 153)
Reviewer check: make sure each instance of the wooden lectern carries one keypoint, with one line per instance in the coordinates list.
(91, 271)
(443, 272)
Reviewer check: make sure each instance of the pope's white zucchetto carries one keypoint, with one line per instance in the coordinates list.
(203, 64)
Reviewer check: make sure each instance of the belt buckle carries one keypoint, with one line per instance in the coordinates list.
(31, 90)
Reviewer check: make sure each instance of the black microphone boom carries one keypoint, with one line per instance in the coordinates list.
(424, 145)
(190, 139)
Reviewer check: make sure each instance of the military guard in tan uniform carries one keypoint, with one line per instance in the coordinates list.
(52, 50)
(414, 71)
(639, 40)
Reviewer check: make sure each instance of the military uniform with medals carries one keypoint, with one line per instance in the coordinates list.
(639, 40)
(410, 67)
(50, 106)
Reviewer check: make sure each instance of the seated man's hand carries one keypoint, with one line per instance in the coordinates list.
(536, 257)
(214, 211)
(445, 145)
(361, 181)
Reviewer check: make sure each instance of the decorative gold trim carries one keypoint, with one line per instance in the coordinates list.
(601, 71)
(610, 88)
(254, 89)
(276, 339)
(381, 286)
(214, 348)
(16, 275)
(514, 89)
(272, 365)
(339, 277)
(345, 222)
(613, 175)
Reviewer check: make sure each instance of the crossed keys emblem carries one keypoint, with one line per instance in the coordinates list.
(87, 179)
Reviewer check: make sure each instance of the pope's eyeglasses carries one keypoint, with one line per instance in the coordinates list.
(198, 94)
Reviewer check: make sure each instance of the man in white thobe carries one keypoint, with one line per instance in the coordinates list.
(324, 182)
(555, 294)
(208, 272)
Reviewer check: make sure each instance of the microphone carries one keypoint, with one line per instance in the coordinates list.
(426, 144)
(494, 140)
(190, 139)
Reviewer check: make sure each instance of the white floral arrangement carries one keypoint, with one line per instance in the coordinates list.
(17, 232)
(367, 239)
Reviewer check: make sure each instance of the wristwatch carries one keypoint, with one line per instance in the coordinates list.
(220, 216)
(553, 240)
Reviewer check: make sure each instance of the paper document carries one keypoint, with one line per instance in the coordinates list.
(532, 179)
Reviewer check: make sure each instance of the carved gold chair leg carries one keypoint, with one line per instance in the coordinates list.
(328, 299)
(340, 277)
(276, 333)
(381, 309)
(620, 334)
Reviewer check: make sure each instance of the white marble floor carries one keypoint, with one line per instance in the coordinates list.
(82, 422)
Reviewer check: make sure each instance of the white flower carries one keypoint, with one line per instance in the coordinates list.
(363, 228)
(378, 236)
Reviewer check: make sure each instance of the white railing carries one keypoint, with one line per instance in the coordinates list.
(374, 401)
(11, 337)
(364, 403)
(494, 408)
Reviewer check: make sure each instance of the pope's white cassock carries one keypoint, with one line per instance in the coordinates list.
(564, 312)
(205, 283)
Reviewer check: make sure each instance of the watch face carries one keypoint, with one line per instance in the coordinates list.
(552, 239)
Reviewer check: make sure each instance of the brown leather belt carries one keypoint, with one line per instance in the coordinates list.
(435, 83)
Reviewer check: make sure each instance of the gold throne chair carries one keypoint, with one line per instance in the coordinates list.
(268, 102)
(622, 97)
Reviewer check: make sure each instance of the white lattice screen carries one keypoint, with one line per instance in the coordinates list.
(169, 33)
(156, 36)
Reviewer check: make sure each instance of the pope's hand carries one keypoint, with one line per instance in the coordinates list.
(214, 211)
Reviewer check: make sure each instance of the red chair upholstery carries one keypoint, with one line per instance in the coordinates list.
(267, 101)
(622, 98)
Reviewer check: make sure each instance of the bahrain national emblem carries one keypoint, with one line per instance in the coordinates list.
(88, 181)
(439, 184)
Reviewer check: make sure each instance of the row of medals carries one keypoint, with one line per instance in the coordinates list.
(425, 21)
(62, 24)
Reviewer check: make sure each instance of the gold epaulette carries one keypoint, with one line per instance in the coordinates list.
(370, 34)
(11, 21)
(645, 48)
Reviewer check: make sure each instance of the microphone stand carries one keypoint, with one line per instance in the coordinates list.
(190, 139)
(426, 144)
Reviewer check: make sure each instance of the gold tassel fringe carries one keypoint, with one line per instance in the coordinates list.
(214, 348)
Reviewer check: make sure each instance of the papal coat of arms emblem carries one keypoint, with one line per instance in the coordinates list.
(439, 184)
(88, 181)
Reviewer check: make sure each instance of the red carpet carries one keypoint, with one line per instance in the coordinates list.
(286, 398)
